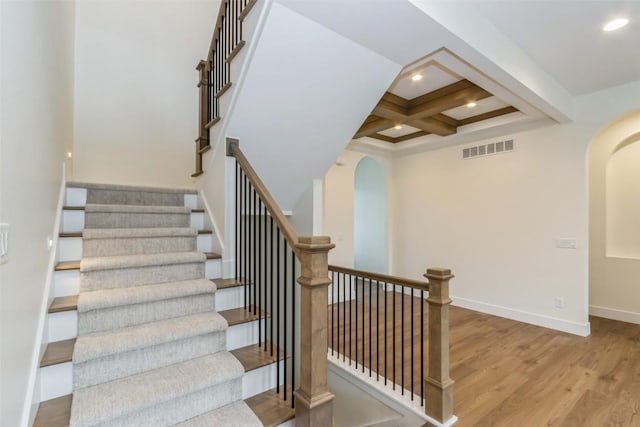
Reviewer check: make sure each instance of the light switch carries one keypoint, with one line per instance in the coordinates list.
(4, 243)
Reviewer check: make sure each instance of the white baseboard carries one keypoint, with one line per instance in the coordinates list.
(32, 396)
(615, 314)
(576, 328)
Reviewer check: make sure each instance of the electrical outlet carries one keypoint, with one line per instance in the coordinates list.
(559, 302)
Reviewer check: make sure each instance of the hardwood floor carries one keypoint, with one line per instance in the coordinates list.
(509, 373)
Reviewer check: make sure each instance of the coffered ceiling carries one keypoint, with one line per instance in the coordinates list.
(430, 100)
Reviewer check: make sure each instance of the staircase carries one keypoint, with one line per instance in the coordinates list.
(142, 331)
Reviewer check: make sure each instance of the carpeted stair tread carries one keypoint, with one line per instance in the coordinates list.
(120, 233)
(114, 399)
(141, 260)
(142, 209)
(237, 414)
(104, 343)
(107, 298)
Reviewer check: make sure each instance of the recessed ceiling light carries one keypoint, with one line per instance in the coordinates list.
(615, 24)
(471, 104)
(397, 127)
(416, 77)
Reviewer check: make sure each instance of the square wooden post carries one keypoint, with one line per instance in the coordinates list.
(314, 401)
(438, 386)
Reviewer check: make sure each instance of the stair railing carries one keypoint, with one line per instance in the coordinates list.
(215, 72)
(378, 324)
(268, 255)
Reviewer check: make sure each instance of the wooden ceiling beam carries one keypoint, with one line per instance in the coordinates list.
(447, 102)
(410, 136)
(439, 93)
(373, 126)
(487, 115)
(446, 119)
(431, 125)
(391, 111)
(382, 137)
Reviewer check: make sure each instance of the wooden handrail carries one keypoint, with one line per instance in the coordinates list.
(233, 150)
(394, 280)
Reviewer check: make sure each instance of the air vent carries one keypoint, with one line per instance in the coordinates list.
(499, 147)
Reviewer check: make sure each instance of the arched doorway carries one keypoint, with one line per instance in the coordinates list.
(614, 223)
(369, 222)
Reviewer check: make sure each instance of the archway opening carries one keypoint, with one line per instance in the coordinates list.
(614, 221)
(369, 239)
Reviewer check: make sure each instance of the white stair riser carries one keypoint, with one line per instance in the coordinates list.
(213, 268)
(75, 197)
(261, 379)
(66, 283)
(191, 201)
(56, 381)
(229, 298)
(62, 326)
(197, 220)
(204, 242)
(70, 248)
(73, 221)
(242, 335)
(78, 197)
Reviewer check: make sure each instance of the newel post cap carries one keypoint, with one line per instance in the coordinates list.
(315, 243)
(438, 273)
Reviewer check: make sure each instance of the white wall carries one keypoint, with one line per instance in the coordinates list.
(136, 97)
(494, 221)
(36, 130)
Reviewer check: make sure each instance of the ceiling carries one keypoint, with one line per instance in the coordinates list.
(536, 56)
(566, 39)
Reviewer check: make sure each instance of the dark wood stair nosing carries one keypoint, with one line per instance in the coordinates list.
(254, 356)
(54, 412)
(81, 208)
(58, 352)
(239, 316)
(236, 50)
(230, 283)
(270, 408)
(61, 304)
(76, 234)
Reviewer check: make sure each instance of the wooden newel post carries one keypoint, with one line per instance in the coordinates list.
(438, 385)
(314, 402)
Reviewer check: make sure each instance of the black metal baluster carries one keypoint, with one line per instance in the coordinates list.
(278, 284)
(273, 282)
(421, 348)
(284, 309)
(237, 236)
(254, 278)
(356, 316)
(385, 333)
(333, 325)
(293, 326)
(377, 330)
(370, 318)
(336, 287)
(393, 341)
(363, 325)
(402, 340)
(245, 260)
(344, 318)
(411, 331)
(263, 224)
(350, 316)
